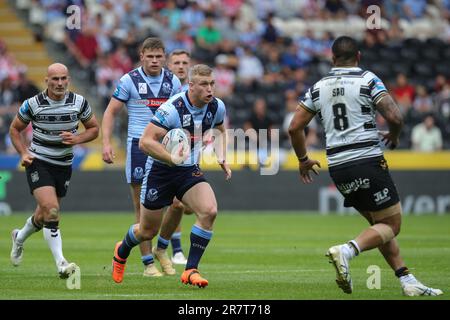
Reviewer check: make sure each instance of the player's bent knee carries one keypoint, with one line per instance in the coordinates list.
(210, 213)
(384, 231)
(51, 211)
(390, 217)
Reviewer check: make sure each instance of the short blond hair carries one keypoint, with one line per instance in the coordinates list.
(200, 70)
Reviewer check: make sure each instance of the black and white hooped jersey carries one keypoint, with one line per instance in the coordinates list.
(344, 101)
(49, 118)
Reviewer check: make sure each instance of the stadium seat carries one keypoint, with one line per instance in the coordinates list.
(443, 68)
(435, 43)
(446, 53)
(424, 69)
(412, 43)
(431, 53)
(410, 54)
(389, 54)
(369, 56)
(402, 67)
(382, 69)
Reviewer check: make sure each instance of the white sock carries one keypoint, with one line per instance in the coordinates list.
(28, 229)
(348, 251)
(54, 241)
(408, 279)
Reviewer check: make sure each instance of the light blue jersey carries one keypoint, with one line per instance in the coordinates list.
(178, 112)
(184, 87)
(143, 94)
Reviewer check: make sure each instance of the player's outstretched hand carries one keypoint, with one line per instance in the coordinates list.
(226, 169)
(69, 138)
(389, 140)
(108, 154)
(305, 168)
(26, 160)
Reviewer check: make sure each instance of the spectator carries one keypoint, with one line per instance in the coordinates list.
(208, 36)
(426, 137)
(25, 88)
(250, 68)
(192, 18)
(270, 33)
(225, 77)
(422, 102)
(260, 120)
(403, 93)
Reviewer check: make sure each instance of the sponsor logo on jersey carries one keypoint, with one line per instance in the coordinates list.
(155, 102)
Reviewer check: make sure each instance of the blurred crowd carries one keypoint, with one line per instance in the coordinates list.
(265, 53)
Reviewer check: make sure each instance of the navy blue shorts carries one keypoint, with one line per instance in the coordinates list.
(162, 183)
(135, 165)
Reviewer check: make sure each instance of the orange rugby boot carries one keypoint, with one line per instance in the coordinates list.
(118, 265)
(193, 277)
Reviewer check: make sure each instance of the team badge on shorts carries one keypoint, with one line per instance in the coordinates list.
(34, 176)
(66, 184)
(383, 164)
(138, 173)
(197, 174)
(152, 195)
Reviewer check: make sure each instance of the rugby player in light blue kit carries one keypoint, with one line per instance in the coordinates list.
(168, 175)
(143, 90)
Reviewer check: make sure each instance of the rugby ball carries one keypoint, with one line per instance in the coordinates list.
(175, 139)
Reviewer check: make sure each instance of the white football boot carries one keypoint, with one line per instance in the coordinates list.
(340, 263)
(65, 269)
(17, 250)
(179, 258)
(411, 287)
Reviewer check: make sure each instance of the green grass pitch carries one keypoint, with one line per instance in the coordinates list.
(252, 256)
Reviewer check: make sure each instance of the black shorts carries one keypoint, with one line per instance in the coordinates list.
(365, 184)
(162, 183)
(41, 173)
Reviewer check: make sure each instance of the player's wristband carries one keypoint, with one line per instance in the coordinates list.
(303, 159)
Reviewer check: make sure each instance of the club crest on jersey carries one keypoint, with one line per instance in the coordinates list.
(209, 117)
(138, 173)
(166, 88)
(152, 194)
(142, 88)
(186, 120)
(34, 176)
